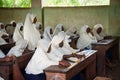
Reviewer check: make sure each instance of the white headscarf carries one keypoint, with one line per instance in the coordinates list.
(101, 35)
(13, 21)
(57, 29)
(2, 41)
(2, 55)
(55, 54)
(47, 34)
(17, 33)
(1, 78)
(30, 32)
(19, 48)
(40, 60)
(85, 38)
(38, 24)
(3, 31)
(65, 49)
(46, 38)
(71, 31)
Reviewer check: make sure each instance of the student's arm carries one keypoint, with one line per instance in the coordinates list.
(64, 63)
(6, 58)
(73, 55)
(17, 75)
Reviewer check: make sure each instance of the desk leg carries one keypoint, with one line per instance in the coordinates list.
(91, 71)
(101, 63)
(115, 52)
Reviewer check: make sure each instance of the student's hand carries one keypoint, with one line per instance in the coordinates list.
(79, 56)
(8, 58)
(64, 63)
(81, 49)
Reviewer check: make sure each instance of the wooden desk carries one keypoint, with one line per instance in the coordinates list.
(6, 68)
(88, 64)
(6, 47)
(102, 46)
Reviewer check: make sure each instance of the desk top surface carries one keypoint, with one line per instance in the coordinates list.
(104, 42)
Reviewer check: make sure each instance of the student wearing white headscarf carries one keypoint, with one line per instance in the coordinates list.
(3, 34)
(18, 49)
(2, 41)
(2, 29)
(30, 33)
(58, 28)
(86, 38)
(44, 56)
(39, 27)
(18, 32)
(65, 49)
(41, 60)
(10, 27)
(48, 33)
(98, 32)
(60, 43)
(72, 31)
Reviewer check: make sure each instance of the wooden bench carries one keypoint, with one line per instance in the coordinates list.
(6, 68)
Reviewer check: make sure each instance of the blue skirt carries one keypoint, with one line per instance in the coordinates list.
(35, 77)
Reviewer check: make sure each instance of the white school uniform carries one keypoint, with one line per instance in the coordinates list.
(18, 49)
(85, 38)
(30, 33)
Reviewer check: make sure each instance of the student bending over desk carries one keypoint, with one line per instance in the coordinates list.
(45, 56)
(100, 35)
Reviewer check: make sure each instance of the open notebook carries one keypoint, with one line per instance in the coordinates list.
(73, 60)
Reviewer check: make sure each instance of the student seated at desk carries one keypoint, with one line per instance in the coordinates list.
(72, 31)
(3, 33)
(18, 32)
(58, 29)
(64, 45)
(47, 35)
(44, 56)
(2, 29)
(39, 27)
(30, 33)
(99, 34)
(10, 27)
(86, 38)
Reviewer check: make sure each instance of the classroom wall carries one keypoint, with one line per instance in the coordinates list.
(108, 16)
(114, 18)
(19, 14)
(76, 16)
